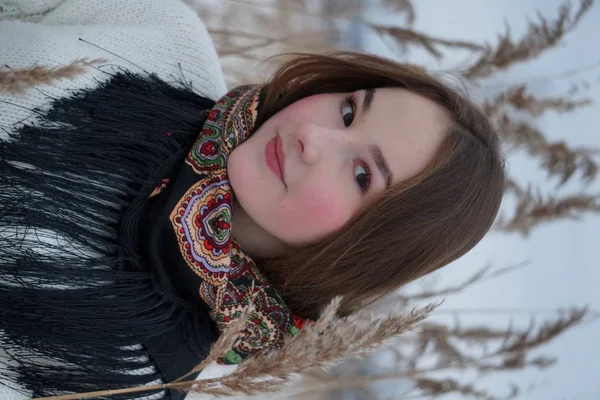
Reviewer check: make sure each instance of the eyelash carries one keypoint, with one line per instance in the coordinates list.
(358, 163)
(350, 101)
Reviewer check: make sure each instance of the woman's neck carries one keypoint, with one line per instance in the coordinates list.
(251, 237)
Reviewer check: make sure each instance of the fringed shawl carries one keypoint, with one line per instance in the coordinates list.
(117, 264)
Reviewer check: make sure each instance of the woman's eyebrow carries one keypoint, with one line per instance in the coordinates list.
(381, 164)
(375, 150)
(369, 93)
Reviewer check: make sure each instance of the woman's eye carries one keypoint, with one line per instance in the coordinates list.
(362, 176)
(348, 111)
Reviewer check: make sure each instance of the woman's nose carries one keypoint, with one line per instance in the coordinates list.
(314, 141)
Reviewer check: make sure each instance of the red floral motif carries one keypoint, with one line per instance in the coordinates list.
(208, 149)
(213, 114)
(301, 322)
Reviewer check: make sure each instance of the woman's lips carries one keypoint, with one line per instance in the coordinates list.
(276, 157)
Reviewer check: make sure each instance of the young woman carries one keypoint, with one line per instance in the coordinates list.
(143, 209)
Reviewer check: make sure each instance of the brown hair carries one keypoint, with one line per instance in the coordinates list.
(413, 228)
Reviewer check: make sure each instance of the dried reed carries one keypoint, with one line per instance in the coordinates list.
(404, 6)
(534, 208)
(17, 80)
(540, 37)
(559, 159)
(406, 36)
(330, 339)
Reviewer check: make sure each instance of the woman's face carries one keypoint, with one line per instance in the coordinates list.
(307, 170)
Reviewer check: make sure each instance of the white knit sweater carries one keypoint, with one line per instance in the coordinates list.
(161, 36)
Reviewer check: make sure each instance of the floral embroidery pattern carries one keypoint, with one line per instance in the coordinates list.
(227, 125)
(229, 280)
(202, 220)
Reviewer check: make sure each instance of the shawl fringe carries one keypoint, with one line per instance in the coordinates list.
(77, 305)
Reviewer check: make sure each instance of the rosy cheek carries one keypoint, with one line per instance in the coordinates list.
(316, 215)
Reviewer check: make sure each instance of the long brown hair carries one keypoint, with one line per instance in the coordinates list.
(414, 227)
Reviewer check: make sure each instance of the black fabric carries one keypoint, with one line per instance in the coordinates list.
(78, 286)
(179, 350)
(162, 246)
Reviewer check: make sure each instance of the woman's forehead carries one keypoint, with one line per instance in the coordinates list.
(406, 126)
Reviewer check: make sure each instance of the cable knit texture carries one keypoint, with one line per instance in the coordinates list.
(164, 37)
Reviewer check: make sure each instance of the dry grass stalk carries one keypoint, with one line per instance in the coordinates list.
(540, 37)
(558, 158)
(404, 6)
(436, 338)
(529, 339)
(514, 343)
(249, 378)
(436, 388)
(332, 338)
(519, 98)
(515, 134)
(481, 275)
(511, 353)
(561, 160)
(437, 335)
(404, 37)
(512, 186)
(517, 361)
(533, 209)
(17, 80)
(328, 340)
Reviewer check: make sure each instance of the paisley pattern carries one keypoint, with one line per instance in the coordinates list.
(227, 125)
(228, 280)
(202, 221)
